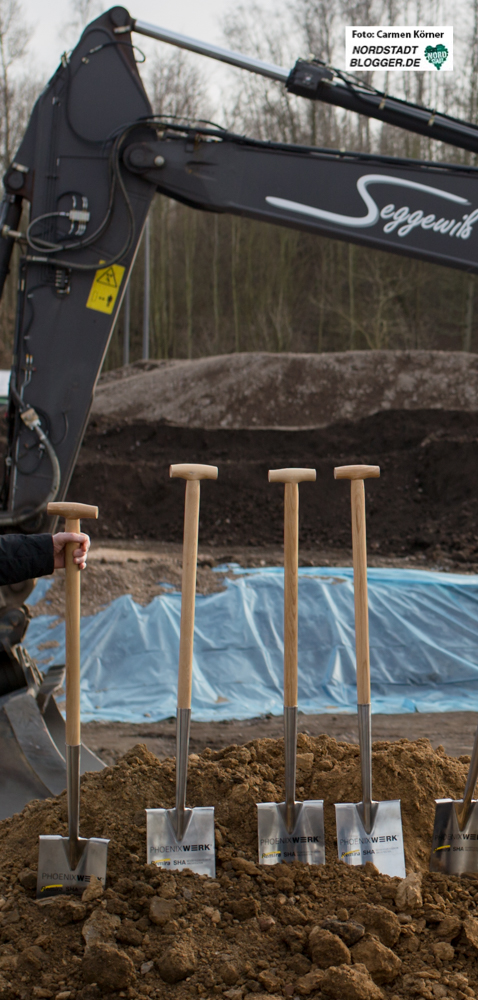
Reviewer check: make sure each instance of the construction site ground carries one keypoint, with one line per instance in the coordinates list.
(251, 932)
(412, 413)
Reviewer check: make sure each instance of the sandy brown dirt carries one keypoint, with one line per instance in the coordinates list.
(455, 731)
(252, 931)
(286, 390)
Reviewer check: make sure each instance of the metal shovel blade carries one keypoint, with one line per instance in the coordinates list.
(305, 843)
(56, 876)
(383, 846)
(454, 845)
(194, 850)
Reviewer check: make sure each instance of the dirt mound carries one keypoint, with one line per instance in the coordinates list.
(287, 390)
(333, 931)
(425, 500)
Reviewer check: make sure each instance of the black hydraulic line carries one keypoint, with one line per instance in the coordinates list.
(171, 130)
(31, 420)
(319, 82)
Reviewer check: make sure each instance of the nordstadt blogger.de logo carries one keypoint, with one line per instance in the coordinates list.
(413, 48)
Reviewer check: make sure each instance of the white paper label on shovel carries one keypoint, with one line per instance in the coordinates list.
(196, 849)
(383, 846)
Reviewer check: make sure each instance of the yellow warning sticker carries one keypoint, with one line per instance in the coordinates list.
(105, 288)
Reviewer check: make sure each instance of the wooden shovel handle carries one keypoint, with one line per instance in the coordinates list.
(359, 546)
(72, 637)
(357, 474)
(72, 512)
(192, 473)
(188, 593)
(291, 593)
(292, 475)
(291, 479)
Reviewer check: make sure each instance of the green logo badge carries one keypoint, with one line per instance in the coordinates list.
(436, 55)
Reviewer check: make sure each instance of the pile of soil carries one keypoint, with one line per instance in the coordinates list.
(290, 931)
(286, 390)
(110, 740)
(426, 501)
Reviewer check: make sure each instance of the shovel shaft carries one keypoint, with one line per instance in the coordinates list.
(365, 743)
(290, 747)
(73, 800)
(357, 474)
(359, 545)
(470, 782)
(183, 725)
(291, 592)
(72, 628)
(188, 593)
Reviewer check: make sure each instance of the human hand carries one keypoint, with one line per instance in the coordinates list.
(79, 555)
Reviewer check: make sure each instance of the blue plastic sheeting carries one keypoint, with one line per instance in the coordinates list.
(423, 646)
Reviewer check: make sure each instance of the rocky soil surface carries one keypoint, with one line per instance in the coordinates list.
(328, 932)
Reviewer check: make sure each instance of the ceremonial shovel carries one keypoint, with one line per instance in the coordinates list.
(455, 833)
(368, 830)
(66, 864)
(290, 830)
(184, 838)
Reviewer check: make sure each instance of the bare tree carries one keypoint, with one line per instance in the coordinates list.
(81, 12)
(16, 92)
(85, 11)
(176, 86)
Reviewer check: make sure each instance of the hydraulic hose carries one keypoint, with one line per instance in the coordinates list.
(32, 421)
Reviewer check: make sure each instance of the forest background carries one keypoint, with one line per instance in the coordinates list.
(222, 283)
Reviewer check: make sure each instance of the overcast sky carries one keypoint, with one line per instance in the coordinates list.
(48, 20)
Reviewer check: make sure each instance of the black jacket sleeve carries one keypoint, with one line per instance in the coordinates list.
(25, 556)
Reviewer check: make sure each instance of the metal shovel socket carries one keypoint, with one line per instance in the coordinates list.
(180, 816)
(463, 807)
(75, 848)
(290, 752)
(367, 808)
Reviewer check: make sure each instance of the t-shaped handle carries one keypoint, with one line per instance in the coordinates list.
(291, 479)
(193, 472)
(357, 472)
(72, 512)
(292, 475)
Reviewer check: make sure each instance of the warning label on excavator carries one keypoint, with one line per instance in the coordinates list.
(105, 288)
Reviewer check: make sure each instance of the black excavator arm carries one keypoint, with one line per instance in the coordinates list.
(93, 157)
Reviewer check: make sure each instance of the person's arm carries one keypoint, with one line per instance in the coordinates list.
(23, 557)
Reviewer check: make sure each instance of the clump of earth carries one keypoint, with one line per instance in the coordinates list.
(329, 932)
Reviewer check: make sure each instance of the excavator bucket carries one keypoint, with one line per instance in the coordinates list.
(32, 735)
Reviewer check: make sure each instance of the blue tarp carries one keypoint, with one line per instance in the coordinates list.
(423, 647)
